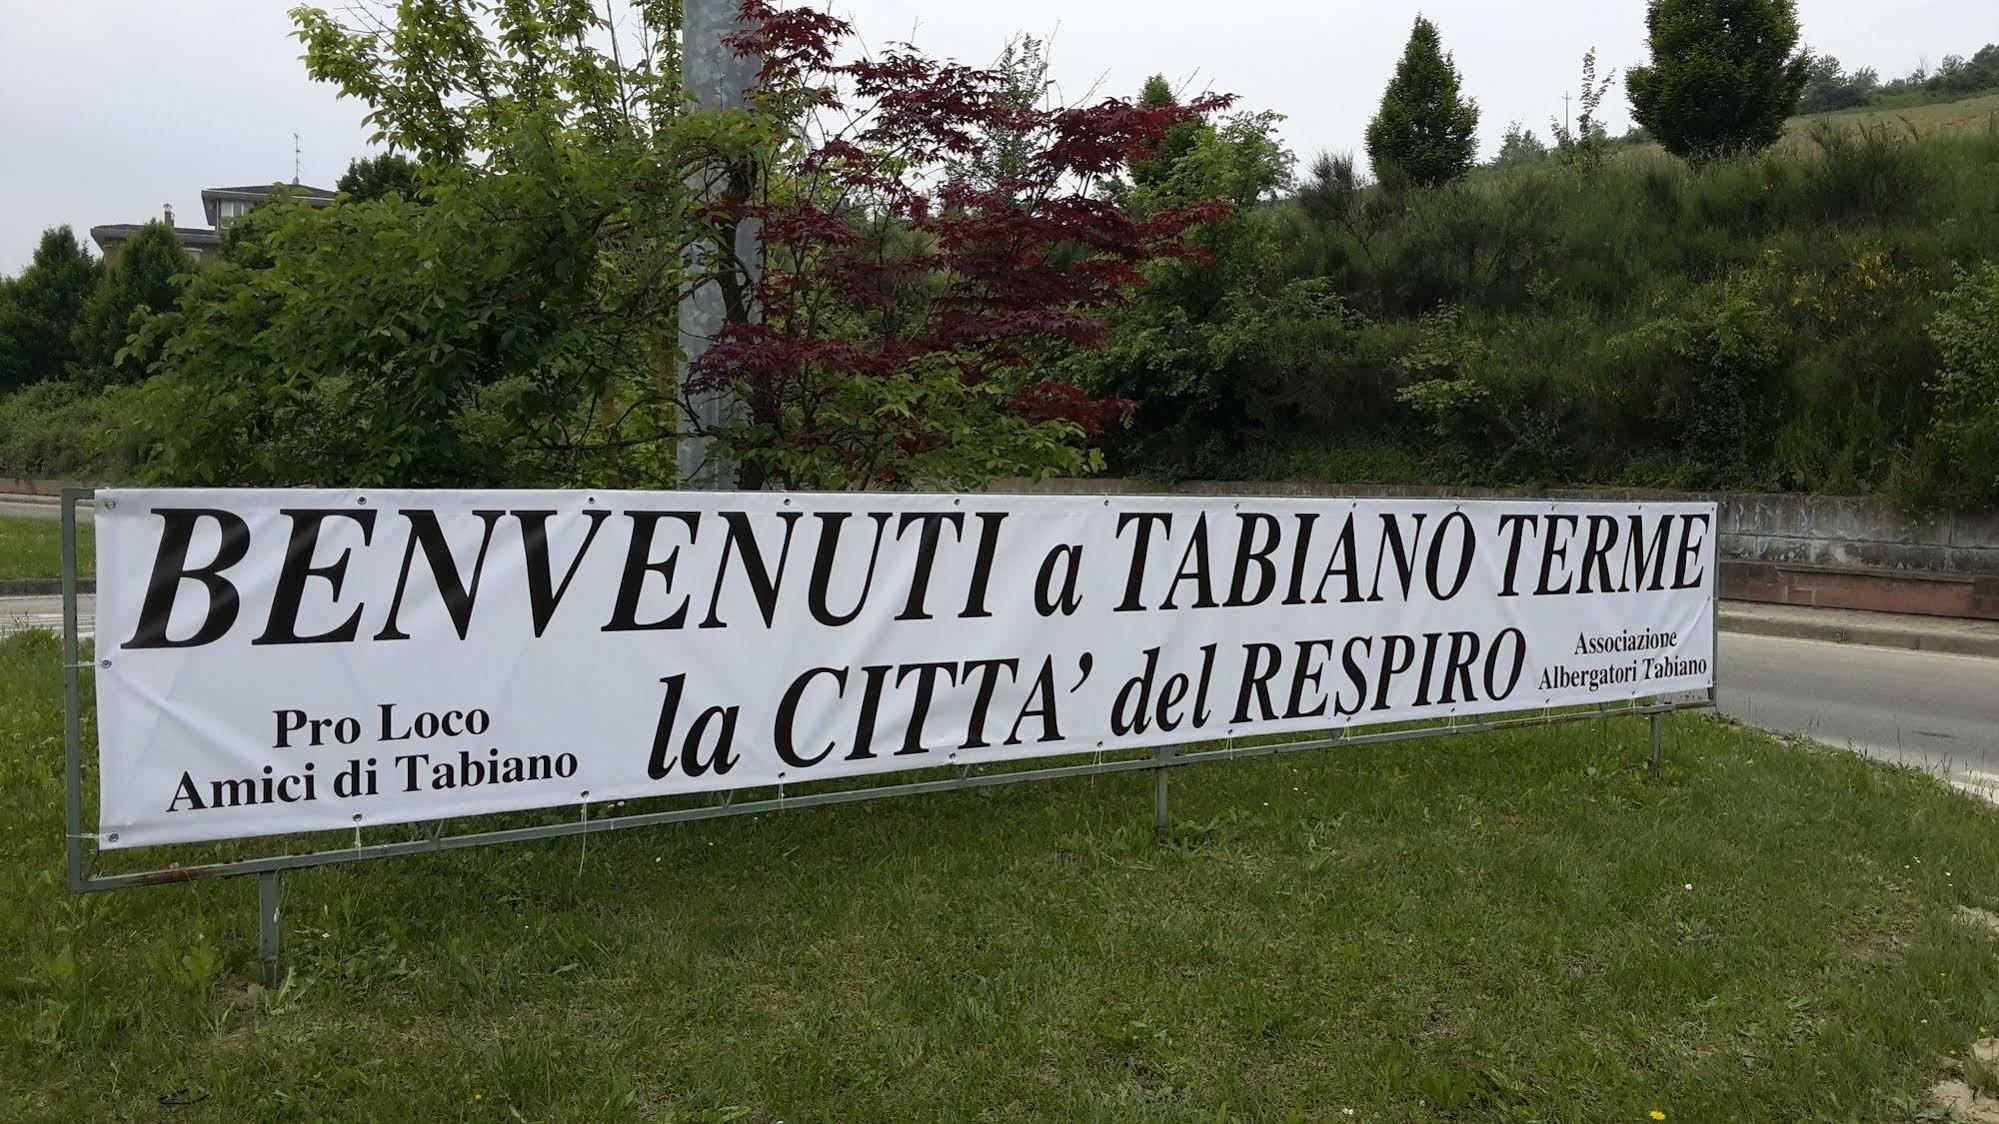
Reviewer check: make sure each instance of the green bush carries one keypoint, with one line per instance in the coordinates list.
(1966, 332)
(1706, 378)
(58, 429)
(1758, 322)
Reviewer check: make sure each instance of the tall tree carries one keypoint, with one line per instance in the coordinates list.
(373, 177)
(39, 310)
(929, 235)
(1724, 75)
(145, 281)
(1154, 166)
(1424, 128)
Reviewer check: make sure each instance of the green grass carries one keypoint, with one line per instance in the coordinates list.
(1918, 115)
(32, 548)
(1515, 927)
(1924, 116)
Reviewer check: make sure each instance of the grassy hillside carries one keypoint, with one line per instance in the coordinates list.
(1764, 323)
(1949, 118)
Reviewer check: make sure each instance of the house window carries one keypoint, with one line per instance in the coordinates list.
(234, 209)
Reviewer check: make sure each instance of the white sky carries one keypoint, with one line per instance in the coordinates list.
(110, 108)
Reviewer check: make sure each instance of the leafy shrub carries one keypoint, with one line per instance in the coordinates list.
(1966, 333)
(1758, 322)
(57, 429)
(1707, 375)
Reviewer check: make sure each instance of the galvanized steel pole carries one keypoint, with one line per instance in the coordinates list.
(270, 937)
(72, 712)
(715, 77)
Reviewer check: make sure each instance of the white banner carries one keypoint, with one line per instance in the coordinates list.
(289, 660)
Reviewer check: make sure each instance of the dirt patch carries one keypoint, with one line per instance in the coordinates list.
(1982, 918)
(1969, 1106)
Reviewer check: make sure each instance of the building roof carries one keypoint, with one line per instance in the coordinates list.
(212, 198)
(263, 191)
(111, 234)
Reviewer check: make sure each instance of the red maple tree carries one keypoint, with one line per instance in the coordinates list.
(933, 236)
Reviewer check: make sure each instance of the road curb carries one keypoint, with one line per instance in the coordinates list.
(1886, 634)
(41, 587)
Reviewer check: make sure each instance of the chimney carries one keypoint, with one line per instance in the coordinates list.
(170, 214)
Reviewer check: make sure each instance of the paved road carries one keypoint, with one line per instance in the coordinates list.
(21, 613)
(39, 507)
(1925, 708)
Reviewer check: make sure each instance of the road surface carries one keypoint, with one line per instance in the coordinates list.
(38, 507)
(1929, 709)
(18, 614)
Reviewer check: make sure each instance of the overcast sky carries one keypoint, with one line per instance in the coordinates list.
(111, 108)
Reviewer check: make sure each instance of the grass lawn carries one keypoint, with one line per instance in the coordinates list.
(32, 548)
(1507, 927)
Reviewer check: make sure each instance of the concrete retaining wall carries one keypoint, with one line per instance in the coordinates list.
(1850, 552)
(1786, 528)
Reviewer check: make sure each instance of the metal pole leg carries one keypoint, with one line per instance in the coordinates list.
(1165, 753)
(1652, 763)
(270, 903)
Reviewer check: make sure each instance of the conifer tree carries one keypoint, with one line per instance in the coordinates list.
(1155, 166)
(39, 309)
(1424, 129)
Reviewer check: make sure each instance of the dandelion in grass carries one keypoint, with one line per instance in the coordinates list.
(1657, 1114)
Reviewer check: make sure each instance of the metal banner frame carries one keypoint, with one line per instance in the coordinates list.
(83, 878)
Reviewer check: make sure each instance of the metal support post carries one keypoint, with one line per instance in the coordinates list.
(715, 77)
(1164, 755)
(72, 719)
(1652, 762)
(270, 937)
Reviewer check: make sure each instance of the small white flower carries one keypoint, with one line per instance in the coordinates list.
(1690, 886)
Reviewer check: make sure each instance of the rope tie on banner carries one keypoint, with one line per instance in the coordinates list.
(583, 852)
